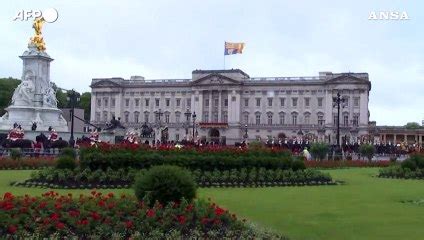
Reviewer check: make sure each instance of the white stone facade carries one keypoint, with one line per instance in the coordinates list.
(226, 101)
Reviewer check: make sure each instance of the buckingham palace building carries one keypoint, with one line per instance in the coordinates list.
(230, 106)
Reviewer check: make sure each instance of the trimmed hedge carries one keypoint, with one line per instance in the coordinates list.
(142, 158)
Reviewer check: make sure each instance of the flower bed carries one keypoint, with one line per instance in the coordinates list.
(7, 163)
(124, 178)
(109, 216)
(344, 164)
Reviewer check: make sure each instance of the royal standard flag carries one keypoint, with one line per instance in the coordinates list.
(233, 48)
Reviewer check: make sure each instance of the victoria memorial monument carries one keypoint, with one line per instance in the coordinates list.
(34, 100)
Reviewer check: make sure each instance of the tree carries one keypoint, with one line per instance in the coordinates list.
(412, 125)
(319, 150)
(367, 150)
(85, 103)
(7, 86)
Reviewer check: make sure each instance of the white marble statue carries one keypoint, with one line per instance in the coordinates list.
(24, 93)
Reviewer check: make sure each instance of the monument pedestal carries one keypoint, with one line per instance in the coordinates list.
(26, 116)
(34, 100)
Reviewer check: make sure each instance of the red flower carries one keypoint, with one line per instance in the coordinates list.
(58, 206)
(150, 213)
(60, 225)
(110, 195)
(42, 205)
(54, 216)
(83, 222)
(129, 224)
(8, 196)
(74, 213)
(8, 206)
(204, 221)
(101, 203)
(189, 208)
(181, 219)
(95, 215)
(12, 229)
(219, 211)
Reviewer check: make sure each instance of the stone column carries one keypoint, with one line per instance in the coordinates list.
(210, 106)
(394, 138)
(93, 107)
(219, 106)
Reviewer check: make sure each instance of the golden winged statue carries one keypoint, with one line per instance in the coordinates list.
(38, 40)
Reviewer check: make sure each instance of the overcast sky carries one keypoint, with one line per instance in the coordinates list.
(169, 39)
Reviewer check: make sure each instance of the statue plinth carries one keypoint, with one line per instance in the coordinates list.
(34, 100)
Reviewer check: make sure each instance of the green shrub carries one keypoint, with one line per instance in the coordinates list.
(298, 165)
(16, 153)
(165, 184)
(70, 152)
(409, 164)
(66, 162)
(367, 150)
(418, 159)
(319, 150)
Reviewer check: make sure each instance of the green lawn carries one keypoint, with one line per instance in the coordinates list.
(364, 208)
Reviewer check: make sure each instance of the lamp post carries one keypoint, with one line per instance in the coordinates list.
(158, 115)
(194, 123)
(336, 103)
(188, 115)
(73, 98)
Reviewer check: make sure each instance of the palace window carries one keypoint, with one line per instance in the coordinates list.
(167, 102)
(258, 102)
(207, 102)
(126, 117)
(294, 102)
(188, 103)
(356, 102)
(246, 102)
(246, 118)
(206, 117)
(294, 119)
(356, 120)
(147, 101)
(167, 117)
(346, 120)
(146, 117)
(335, 119)
(137, 102)
(112, 102)
(282, 119)
(177, 137)
(97, 117)
(215, 117)
(258, 119)
(106, 102)
(157, 102)
(178, 102)
(269, 115)
(225, 102)
(225, 117)
(307, 118)
(269, 102)
(216, 102)
(127, 102)
(320, 102)
(105, 116)
(177, 117)
(99, 102)
(307, 100)
(321, 120)
(282, 102)
(136, 117)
